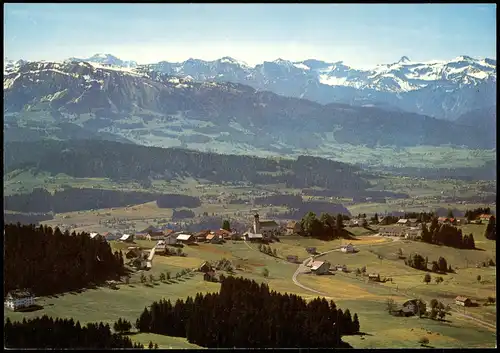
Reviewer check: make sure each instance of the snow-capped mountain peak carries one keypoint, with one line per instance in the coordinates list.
(106, 59)
(465, 58)
(404, 60)
(436, 88)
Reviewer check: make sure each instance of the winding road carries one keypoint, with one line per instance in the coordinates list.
(303, 268)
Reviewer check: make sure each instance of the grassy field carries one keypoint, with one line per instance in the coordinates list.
(348, 291)
(410, 205)
(164, 342)
(368, 299)
(138, 217)
(107, 305)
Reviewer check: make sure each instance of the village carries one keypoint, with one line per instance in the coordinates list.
(262, 232)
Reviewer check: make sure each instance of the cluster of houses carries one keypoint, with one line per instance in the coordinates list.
(411, 307)
(407, 228)
(260, 231)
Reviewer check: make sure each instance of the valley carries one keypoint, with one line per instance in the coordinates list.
(174, 197)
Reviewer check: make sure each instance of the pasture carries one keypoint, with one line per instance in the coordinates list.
(366, 299)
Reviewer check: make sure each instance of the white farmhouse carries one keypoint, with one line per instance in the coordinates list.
(320, 267)
(19, 299)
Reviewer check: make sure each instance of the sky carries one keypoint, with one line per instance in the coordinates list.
(361, 35)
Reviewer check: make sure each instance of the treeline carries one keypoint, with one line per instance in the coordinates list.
(48, 261)
(182, 214)
(446, 234)
(26, 218)
(77, 199)
(485, 172)
(388, 220)
(47, 333)
(292, 201)
(176, 200)
(491, 229)
(418, 262)
(420, 216)
(245, 314)
(106, 159)
(376, 195)
(316, 207)
(326, 227)
(473, 214)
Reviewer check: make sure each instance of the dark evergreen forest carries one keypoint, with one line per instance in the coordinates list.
(119, 161)
(48, 261)
(245, 314)
(47, 333)
(77, 199)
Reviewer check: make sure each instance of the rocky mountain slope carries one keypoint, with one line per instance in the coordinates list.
(440, 89)
(156, 109)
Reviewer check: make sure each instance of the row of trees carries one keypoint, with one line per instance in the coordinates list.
(428, 279)
(421, 217)
(473, 214)
(248, 315)
(418, 262)
(48, 261)
(326, 227)
(266, 249)
(76, 199)
(446, 234)
(46, 333)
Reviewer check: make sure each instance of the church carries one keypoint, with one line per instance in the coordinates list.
(266, 228)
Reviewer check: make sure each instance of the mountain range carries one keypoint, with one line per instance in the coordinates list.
(441, 89)
(77, 99)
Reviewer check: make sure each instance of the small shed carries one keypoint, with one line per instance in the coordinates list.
(292, 258)
(463, 301)
(127, 238)
(311, 250)
(403, 222)
(410, 307)
(349, 248)
(342, 268)
(375, 277)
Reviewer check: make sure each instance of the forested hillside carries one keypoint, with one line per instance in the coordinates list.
(48, 261)
(118, 161)
(76, 199)
(248, 315)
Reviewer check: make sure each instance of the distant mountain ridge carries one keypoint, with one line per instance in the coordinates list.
(151, 108)
(442, 89)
